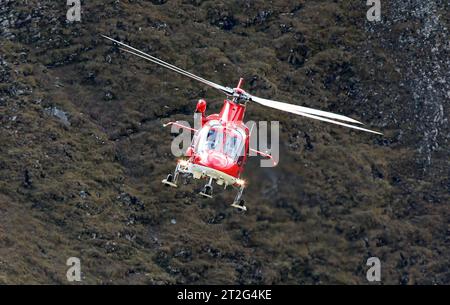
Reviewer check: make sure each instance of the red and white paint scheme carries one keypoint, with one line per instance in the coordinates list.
(220, 147)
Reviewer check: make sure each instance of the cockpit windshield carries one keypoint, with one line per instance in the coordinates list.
(227, 140)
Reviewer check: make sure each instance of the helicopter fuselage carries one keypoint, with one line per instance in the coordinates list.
(220, 147)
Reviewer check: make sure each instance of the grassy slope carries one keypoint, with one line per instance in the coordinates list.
(315, 218)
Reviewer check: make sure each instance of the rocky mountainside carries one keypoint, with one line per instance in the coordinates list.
(83, 148)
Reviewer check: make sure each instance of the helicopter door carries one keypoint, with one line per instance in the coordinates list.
(234, 144)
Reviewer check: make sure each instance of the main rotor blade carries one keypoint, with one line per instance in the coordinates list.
(308, 115)
(226, 90)
(170, 68)
(285, 106)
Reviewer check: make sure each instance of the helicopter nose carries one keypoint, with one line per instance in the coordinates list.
(218, 159)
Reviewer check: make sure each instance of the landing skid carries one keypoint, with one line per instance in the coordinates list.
(169, 183)
(238, 202)
(205, 195)
(207, 191)
(239, 206)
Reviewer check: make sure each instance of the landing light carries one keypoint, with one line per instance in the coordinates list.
(183, 163)
(240, 182)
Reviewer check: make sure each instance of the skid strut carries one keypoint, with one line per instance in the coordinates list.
(207, 189)
(171, 180)
(239, 203)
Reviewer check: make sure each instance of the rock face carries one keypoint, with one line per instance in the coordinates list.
(83, 150)
(416, 32)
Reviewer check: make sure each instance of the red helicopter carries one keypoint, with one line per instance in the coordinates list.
(220, 147)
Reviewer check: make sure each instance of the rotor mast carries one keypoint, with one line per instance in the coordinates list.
(239, 95)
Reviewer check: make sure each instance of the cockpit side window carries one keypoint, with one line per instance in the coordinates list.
(211, 139)
(233, 144)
